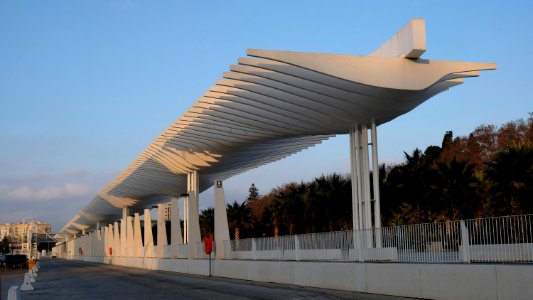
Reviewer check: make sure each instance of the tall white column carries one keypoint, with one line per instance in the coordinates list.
(98, 233)
(193, 222)
(353, 173)
(161, 230)
(361, 193)
(221, 220)
(175, 226)
(129, 236)
(185, 217)
(137, 237)
(359, 181)
(148, 236)
(123, 232)
(110, 240)
(375, 181)
(366, 177)
(116, 240)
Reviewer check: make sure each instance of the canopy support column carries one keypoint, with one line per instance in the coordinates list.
(175, 232)
(375, 183)
(221, 221)
(360, 176)
(193, 222)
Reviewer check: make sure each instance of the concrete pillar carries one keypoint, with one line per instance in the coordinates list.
(148, 237)
(97, 230)
(123, 232)
(186, 218)
(116, 240)
(375, 181)
(193, 222)
(361, 196)
(129, 236)
(358, 167)
(137, 238)
(161, 230)
(365, 177)
(221, 220)
(105, 237)
(175, 227)
(353, 173)
(110, 240)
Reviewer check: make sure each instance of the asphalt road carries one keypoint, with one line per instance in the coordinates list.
(60, 279)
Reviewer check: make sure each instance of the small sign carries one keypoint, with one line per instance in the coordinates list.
(219, 184)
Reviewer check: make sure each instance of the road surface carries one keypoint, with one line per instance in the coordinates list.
(61, 279)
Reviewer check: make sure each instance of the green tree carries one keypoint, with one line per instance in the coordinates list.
(510, 175)
(253, 194)
(458, 188)
(207, 222)
(239, 217)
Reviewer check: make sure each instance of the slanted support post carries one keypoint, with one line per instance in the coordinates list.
(148, 236)
(98, 233)
(193, 222)
(123, 232)
(186, 217)
(137, 236)
(161, 230)
(116, 240)
(129, 236)
(221, 220)
(175, 232)
(162, 242)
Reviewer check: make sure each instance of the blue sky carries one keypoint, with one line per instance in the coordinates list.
(86, 85)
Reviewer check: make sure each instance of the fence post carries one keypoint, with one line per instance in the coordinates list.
(254, 247)
(296, 248)
(465, 243)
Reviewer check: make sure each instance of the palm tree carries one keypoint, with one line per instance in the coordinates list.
(239, 216)
(457, 188)
(207, 221)
(510, 174)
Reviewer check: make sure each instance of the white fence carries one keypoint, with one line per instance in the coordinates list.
(504, 239)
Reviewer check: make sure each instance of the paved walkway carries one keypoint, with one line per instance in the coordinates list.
(60, 279)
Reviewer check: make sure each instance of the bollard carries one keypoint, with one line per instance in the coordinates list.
(13, 293)
(26, 286)
(34, 273)
(30, 276)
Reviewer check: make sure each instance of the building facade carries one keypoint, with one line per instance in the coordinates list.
(19, 231)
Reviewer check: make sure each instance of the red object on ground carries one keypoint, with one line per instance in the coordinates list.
(208, 245)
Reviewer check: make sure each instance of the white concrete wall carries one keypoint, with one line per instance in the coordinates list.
(432, 281)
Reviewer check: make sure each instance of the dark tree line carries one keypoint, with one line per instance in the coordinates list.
(485, 174)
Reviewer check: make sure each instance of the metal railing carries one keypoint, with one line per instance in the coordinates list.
(503, 239)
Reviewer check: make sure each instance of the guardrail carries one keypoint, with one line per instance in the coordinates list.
(503, 239)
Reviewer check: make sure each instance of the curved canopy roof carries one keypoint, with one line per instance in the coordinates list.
(270, 105)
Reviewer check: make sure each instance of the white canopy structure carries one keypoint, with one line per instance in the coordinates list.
(273, 104)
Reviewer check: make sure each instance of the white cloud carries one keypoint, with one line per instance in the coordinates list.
(47, 193)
